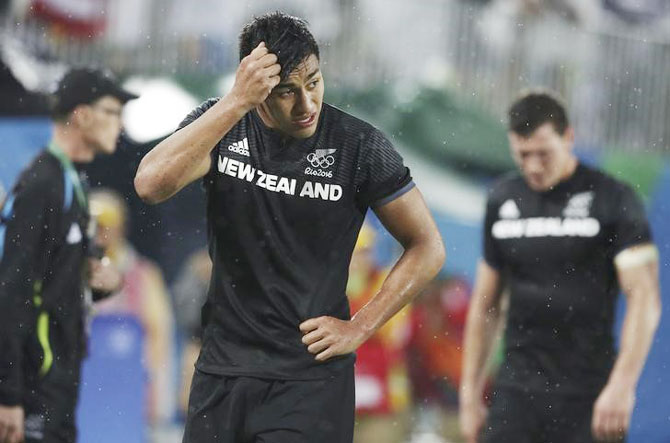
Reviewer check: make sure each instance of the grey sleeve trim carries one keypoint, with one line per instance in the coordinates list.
(399, 193)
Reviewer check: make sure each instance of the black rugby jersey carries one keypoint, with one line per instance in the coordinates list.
(44, 243)
(283, 218)
(555, 252)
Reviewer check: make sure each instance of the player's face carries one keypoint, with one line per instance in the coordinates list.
(545, 157)
(294, 106)
(103, 125)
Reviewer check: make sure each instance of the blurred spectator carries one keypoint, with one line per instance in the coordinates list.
(382, 390)
(434, 356)
(143, 295)
(48, 273)
(190, 293)
(83, 19)
(16, 99)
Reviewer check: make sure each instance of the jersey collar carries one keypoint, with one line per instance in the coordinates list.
(70, 170)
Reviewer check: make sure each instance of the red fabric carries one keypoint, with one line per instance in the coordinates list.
(82, 25)
(373, 361)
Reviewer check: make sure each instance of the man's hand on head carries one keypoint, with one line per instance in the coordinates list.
(256, 76)
(327, 337)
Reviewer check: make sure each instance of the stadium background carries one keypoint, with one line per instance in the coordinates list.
(435, 75)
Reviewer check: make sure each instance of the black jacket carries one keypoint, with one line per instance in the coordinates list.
(43, 250)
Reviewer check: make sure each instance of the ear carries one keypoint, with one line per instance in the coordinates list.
(569, 137)
(569, 134)
(512, 138)
(82, 116)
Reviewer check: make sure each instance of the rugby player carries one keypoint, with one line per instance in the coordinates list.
(563, 239)
(289, 180)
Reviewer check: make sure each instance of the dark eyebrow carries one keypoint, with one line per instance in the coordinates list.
(290, 85)
(316, 71)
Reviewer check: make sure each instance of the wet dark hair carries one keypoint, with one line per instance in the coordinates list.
(285, 36)
(535, 108)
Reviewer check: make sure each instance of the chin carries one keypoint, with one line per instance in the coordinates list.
(305, 133)
(107, 150)
(539, 187)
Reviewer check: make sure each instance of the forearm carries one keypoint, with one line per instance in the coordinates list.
(642, 316)
(179, 159)
(481, 330)
(417, 266)
(480, 334)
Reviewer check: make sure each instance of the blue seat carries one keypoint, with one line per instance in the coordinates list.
(113, 392)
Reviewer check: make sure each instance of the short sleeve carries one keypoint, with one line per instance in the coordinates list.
(190, 118)
(630, 226)
(491, 251)
(197, 112)
(383, 175)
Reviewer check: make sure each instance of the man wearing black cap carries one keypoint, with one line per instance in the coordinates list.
(47, 270)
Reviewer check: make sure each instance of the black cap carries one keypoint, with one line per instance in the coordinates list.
(84, 86)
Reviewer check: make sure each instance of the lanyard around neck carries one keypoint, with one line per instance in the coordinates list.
(70, 171)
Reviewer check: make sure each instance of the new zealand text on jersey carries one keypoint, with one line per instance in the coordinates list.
(275, 183)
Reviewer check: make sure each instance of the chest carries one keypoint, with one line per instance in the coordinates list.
(561, 231)
(302, 186)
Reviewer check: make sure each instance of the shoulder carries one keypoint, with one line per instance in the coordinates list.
(205, 105)
(198, 111)
(42, 177)
(353, 127)
(604, 183)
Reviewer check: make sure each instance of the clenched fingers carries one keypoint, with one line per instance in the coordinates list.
(258, 52)
(609, 426)
(319, 346)
(267, 60)
(311, 324)
(312, 337)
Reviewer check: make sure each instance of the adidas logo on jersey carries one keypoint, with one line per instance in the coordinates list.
(241, 147)
(509, 209)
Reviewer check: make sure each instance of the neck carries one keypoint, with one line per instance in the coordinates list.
(269, 122)
(265, 116)
(570, 168)
(69, 140)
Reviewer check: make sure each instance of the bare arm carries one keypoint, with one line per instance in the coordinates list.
(480, 332)
(637, 270)
(184, 156)
(407, 218)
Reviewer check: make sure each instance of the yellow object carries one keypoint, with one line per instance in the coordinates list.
(366, 237)
(43, 337)
(107, 209)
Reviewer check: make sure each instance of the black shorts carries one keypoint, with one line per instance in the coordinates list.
(49, 406)
(519, 417)
(230, 409)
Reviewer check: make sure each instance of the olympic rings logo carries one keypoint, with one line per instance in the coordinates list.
(320, 162)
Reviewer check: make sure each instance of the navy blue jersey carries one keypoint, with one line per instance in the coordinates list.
(555, 251)
(283, 219)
